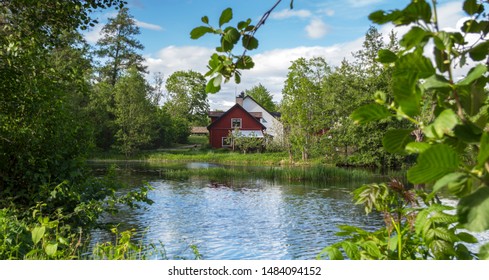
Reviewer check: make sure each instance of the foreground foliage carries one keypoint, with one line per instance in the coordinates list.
(48, 199)
(450, 140)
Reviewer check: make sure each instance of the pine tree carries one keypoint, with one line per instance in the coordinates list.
(119, 46)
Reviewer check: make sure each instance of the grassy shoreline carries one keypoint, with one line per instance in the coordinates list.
(194, 155)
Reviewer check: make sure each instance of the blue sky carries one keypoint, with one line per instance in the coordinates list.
(329, 28)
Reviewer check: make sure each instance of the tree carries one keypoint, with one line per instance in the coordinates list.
(302, 114)
(156, 94)
(187, 98)
(42, 82)
(119, 47)
(263, 97)
(350, 86)
(134, 114)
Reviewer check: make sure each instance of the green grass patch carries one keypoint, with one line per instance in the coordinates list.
(219, 156)
(317, 174)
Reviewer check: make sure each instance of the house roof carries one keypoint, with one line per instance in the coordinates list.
(274, 114)
(257, 115)
(215, 113)
(199, 130)
(231, 109)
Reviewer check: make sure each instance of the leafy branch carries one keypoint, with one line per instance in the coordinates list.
(223, 64)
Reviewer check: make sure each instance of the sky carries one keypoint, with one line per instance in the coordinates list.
(333, 29)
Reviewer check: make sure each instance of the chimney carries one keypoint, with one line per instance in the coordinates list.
(239, 98)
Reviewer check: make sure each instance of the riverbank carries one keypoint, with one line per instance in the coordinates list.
(197, 155)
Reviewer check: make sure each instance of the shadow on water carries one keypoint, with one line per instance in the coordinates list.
(235, 212)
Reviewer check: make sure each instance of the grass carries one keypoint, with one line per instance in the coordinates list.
(197, 150)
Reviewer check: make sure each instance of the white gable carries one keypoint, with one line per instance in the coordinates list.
(274, 127)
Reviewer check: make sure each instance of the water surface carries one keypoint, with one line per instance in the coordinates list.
(240, 218)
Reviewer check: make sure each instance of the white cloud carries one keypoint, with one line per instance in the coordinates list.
(93, 34)
(449, 14)
(173, 58)
(363, 3)
(288, 13)
(271, 67)
(328, 12)
(316, 29)
(146, 25)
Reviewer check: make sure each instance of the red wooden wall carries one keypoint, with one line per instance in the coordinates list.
(222, 126)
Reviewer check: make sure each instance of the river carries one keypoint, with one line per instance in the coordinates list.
(231, 218)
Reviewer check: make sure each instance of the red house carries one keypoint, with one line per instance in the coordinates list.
(222, 123)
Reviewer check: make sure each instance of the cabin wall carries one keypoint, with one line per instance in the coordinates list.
(221, 127)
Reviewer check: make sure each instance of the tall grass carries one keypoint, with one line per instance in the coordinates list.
(313, 174)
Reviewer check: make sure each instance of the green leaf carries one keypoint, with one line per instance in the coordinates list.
(372, 249)
(217, 80)
(395, 141)
(51, 249)
(417, 147)
(443, 124)
(37, 233)
(351, 250)
(211, 88)
(442, 41)
(405, 94)
(415, 62)
(467, 237)
(245, 62)
(473, 210)
(471, 7)
(452, 179)
(417, 10)
(474, 74)
(393, 243)
(386, 56)
(226, 16)
(333, 253)
(479, 52)
(226, 46)
(483, 155)
(200, 31)
(381, 17)
(237, 77)
(205, 19)
(484, 252)
(231, 35)
(473, 97)
(250, 42)
(243, 24)
(433, 164)
(413, 38)
(468, 133)
(436, 81)
(369, 113)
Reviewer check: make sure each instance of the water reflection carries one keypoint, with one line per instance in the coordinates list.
(243, 218)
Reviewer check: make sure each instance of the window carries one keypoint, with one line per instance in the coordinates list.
(226, 142)
(236, 123)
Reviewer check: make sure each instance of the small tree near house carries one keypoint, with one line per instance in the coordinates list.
(244, 143)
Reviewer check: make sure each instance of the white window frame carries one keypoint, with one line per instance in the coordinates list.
(223, 142)
(236, 119)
